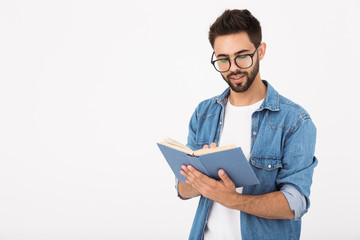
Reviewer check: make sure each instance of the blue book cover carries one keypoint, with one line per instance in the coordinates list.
(233, 161)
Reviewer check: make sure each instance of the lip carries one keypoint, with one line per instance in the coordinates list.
(237, 78)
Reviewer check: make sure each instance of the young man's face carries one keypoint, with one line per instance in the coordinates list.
(231, 46)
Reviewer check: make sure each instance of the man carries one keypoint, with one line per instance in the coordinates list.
(276, 135)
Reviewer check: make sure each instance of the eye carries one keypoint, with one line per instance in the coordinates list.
(241, 57)
(223, 60)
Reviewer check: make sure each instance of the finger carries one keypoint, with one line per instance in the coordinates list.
(186, 172)
(225, 178)
(190, 175)
(213, 145)
(206, 146)
(183, 171)
(198, 176)
(204, 184)
(185, 175)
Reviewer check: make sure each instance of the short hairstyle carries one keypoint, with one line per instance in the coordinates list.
(235, 21)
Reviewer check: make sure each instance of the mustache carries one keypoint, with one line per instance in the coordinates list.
(236, 73)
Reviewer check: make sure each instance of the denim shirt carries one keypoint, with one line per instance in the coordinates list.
(282, 152)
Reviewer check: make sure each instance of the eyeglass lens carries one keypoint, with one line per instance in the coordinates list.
(241, 61)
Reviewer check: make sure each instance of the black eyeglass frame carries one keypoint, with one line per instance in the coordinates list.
(251, 55)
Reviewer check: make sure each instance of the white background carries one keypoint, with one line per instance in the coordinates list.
(87, 88)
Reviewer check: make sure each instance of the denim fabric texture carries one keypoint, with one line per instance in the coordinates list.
(282, 152)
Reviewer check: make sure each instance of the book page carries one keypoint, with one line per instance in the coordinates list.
(212, 150)
(182, 149)
(176, 143)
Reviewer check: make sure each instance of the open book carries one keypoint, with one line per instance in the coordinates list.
(209, 161)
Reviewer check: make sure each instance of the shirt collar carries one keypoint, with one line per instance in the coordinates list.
(270, 102)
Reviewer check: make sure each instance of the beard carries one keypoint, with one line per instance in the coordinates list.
(246, 83)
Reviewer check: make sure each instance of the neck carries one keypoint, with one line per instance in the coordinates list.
(255, 93)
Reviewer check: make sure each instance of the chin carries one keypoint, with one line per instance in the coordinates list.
(239, 88)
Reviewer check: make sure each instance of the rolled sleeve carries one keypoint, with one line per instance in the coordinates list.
(176, 185)
(295, 199)
(299, 163)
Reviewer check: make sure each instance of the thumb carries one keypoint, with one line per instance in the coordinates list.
(224, 177)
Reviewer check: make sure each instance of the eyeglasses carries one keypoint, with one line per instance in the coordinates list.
(223, 64)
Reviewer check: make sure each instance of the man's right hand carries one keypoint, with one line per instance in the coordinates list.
(186, 190)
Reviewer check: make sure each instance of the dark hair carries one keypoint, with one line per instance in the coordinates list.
(235, 21)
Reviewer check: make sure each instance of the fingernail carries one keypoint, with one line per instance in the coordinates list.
(221, 172)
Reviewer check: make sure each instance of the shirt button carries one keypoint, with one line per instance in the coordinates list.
(269, 166)
(220, 123)
(254, 133)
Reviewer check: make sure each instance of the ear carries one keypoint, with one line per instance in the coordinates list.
(262, 50)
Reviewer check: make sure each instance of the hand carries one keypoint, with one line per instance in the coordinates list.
(187, 191)
(222, 191)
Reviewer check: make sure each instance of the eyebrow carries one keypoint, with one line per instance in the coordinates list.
(237, 53)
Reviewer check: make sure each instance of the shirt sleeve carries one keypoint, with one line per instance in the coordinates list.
(192, 131)
(295, 199)
(298, 164)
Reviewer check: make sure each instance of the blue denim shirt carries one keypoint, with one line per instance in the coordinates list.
(282, 153)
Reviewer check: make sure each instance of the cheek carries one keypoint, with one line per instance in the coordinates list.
(246, 73)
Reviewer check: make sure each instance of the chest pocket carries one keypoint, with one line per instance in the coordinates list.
(266, 170)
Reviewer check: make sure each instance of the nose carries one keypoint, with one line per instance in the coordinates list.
(233, 66)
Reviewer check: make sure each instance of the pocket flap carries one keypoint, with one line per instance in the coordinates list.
(267, 163)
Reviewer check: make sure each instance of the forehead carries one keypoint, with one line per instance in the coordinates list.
(229, 44)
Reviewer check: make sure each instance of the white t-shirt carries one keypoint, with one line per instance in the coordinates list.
(223, 222)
